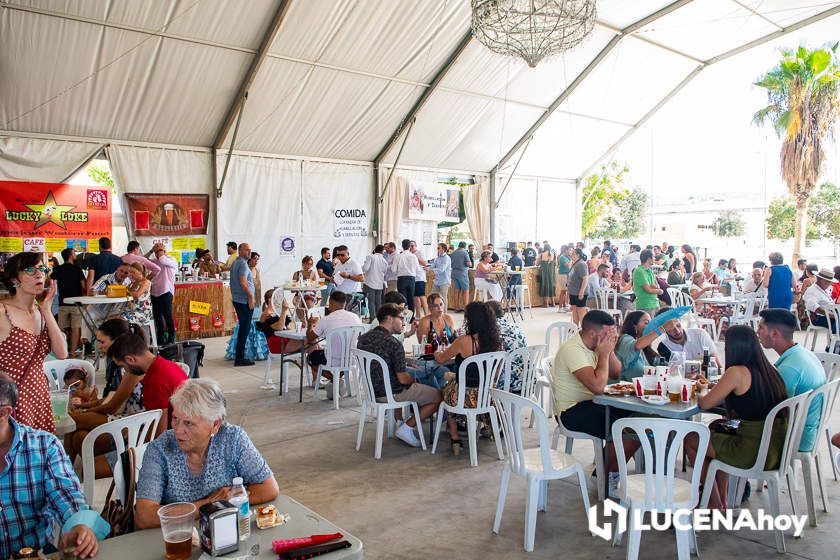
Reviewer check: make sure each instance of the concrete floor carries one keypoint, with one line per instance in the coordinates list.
(412, 504)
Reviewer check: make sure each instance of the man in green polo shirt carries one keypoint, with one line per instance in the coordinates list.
(645, 286)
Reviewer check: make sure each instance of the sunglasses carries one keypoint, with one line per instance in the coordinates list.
(31, 270)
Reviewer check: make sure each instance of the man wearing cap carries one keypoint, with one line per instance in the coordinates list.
(819, 295)
(232, 255)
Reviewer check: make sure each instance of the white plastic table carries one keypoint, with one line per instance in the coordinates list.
(293, 335)
(718, 300)
(82, 301)
(148, 544)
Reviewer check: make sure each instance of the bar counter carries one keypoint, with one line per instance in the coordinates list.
(214, 292)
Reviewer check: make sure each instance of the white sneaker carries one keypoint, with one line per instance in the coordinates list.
(613, 486)
(406, 433)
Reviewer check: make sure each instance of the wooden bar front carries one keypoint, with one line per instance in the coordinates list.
(529, 278)
(214, 292)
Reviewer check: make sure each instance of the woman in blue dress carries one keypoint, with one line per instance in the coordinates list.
(780, 283)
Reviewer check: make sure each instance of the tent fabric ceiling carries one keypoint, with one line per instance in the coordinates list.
(340, 76)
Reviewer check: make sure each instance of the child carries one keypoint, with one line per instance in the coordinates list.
(81, 393)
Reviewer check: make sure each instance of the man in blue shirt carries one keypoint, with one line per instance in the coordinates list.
(461, 265)
(39, 488)
(442, 267)
(326, 270)
(242, 294)
(799, 367)
(102, 264)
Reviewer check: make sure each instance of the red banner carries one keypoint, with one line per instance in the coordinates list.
(167, 214)
(54, 210)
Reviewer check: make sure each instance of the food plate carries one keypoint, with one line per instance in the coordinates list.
(620, 390)
(655, 399)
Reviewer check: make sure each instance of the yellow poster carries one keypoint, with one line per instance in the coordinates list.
(93, 245)
(199, 307)
(56, 245)
(197, 243)
(11, 244)
(180, 243)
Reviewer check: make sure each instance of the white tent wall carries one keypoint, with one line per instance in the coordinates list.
(47, 161)
(536, 209)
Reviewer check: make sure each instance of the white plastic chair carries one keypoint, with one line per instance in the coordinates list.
(684, 299)
(597, 447)
(832, 312)
(537, 465)
(338, 343)
(488, 364)
(603, 297)
(673, 295)
(813, 332)
(831, 365)
(796, 412)
(744, 312)
(55, 369)
(531, 357)
(658, 488)
(140, 429)
(364, 361)
(285, 360)
(822, 397)
(564, 329)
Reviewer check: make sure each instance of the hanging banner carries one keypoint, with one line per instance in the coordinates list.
(433, 201)
(167, 214)
(288, 245)
(53, 210)
(350, 223)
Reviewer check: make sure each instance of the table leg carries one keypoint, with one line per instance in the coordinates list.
(607, 440)
(282, 365)
(302, 367)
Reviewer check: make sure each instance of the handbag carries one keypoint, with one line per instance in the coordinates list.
(119, 515)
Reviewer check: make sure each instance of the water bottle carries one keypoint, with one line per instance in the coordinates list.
(239, 499)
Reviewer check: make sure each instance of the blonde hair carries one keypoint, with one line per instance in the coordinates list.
(200, 398)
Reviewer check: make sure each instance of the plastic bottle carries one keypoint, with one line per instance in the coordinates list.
(239, 499)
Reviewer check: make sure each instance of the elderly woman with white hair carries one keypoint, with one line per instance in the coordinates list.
(197, 460)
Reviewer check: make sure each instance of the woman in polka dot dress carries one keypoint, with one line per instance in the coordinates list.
(27, 335)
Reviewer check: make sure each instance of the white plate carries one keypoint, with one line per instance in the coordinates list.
(655, 399)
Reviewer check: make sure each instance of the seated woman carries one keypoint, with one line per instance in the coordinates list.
(197, 459)
(633, 349)
(268, 323)
(438, 326)
(307, 273)
(481, 336)
(513, 338)
(709, 277)
(699, 288)
(484, 280)
(139, 311)
(750, 387)
(676, 272)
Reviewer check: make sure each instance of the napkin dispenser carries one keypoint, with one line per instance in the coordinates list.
(116, 290)
(218, 528)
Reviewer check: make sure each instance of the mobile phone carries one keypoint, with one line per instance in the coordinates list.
(730, 426)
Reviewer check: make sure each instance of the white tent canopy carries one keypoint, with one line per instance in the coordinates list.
(340, 82)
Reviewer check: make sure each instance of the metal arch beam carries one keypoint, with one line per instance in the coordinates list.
(424, 98)
(251, 74)
(608, 48)
(714, 60)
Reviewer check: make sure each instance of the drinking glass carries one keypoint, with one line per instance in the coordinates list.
(176, 524)
(59, 400)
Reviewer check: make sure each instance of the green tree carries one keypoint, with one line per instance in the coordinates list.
(781, 218)
(823, 217)
(100, 174)
(602, 196)
(729, 223)
(633, 210)
(803, 93)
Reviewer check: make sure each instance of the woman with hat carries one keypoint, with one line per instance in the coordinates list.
(819, 295)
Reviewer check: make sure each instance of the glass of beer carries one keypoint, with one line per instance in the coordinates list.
(674, 390)
(176, 523)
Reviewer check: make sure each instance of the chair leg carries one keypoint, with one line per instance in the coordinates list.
(773, 495)
(555, 438)
(584, 492)
(317, 383)
(707, 489)
(634, 536)
(362, 416)
(437, 429)
(497, 434)
(831, 455)
(790, 494)
(600, 469)
(542, 504)
(419, 424)
(472, 435)
(683, 544)
(500, 504)
(809, 492)
(531, 513)
(821, 484)
(380, 431)
(337, 388)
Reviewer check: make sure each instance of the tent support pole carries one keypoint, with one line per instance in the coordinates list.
(381, 197)
(512, 173)
(221, 186)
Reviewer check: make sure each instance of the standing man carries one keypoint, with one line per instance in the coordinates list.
(405, 265)
(71, 282)
(326, 270)
(799, 367)
(163, 290)
(645, 285)
(102, 264)
(608, 250)
(390, 277)
(374, 269)
(133, 255)
(529, 254)
(348, 274)
(461, 265)
(242, 294)
(232, 255)
(442, 267)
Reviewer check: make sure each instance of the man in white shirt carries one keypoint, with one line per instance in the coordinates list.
(374, 269)
(755, 283)
(337, 316)
(421, 306)
(405, 266)
(597, 279)
(818, 295)
(348, 273)
(691, 342)
(390, 277)
(631, 260)
(442, 267)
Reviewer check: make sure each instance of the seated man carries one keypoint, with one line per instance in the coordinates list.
(337, 316)
(691, 342)
(582, 367)
(799, 367)
(380, 341)
(38, 489)
(98, 313)
(818, 295)
(399, 300)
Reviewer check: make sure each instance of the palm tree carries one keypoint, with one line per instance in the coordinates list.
(802, 91)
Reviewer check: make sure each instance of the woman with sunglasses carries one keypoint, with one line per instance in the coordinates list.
(28, 332)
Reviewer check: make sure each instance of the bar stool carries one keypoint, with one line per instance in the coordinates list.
(521, 291)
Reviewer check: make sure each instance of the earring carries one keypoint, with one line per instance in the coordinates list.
(15, 284)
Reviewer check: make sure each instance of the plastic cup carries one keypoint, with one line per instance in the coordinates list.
(176, 524)
(59, 401)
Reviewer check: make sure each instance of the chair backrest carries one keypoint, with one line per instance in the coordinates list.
(55, 369)
(364, 361)
(565, 330)
(530, 359)
(833, 313)
(682, 300)
(338, 343)
(821, 398)
(796, 412)
(510, 409)
(277, 299)
(603, 295)
(830, 363)
(660, 440)
(745, 308)
(139, 430)
(489, 366)
(673, 294)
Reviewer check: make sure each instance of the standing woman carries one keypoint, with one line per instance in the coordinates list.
(28, 332)
(689, 260)
(306, 274)
(548, 289)
(576, 286)
(780, 283)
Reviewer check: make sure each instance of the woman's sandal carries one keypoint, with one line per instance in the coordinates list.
(457, 446)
